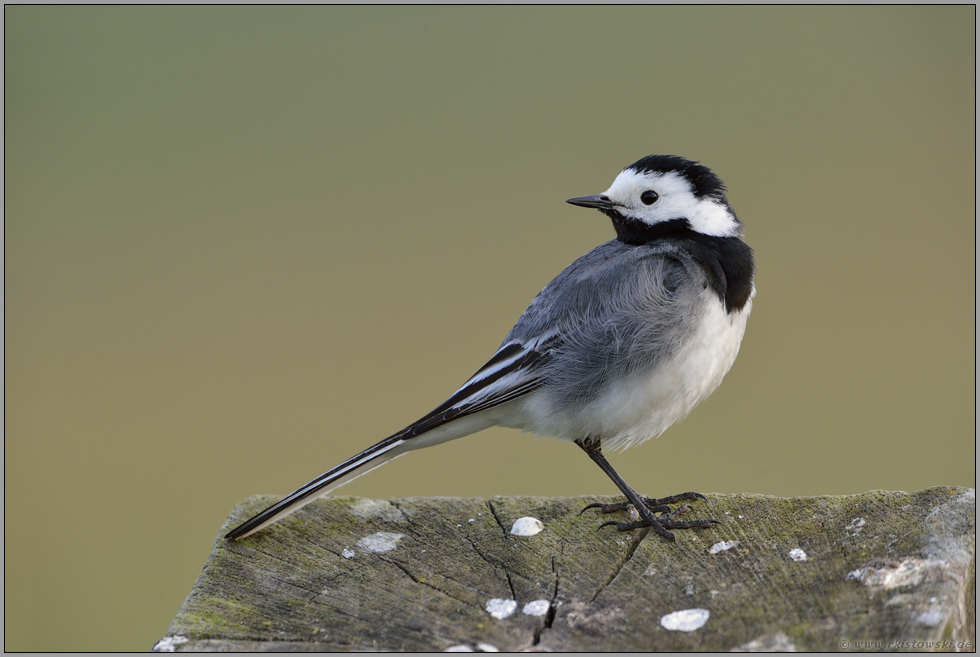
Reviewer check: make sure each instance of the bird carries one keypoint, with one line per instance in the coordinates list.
(622, 344)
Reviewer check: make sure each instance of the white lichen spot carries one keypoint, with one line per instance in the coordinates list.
(471, 520)
(931, 618)
(380, 542)
(900, 599)
(500, 608)
(686, 620)
(891, 573)
(169, 643)
(526, 526)
(347, 553)
(777, 642)
(796, 554)
(377, 509)
(480, 647)
(722, 546)
(689, 589)
(537, 608)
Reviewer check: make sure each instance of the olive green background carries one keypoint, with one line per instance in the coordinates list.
(242, 244)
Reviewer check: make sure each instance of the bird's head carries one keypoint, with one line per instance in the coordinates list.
(665, 190)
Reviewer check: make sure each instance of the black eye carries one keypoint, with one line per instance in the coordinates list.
(649, 197)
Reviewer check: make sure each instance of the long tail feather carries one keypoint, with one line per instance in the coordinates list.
(371, 458)
(510, 374)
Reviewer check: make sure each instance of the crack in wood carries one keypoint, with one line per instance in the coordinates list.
(510, 583)
(495, 567)
(493, 510)
(635, 540)
(419, 581)
(549, 617)
(407, 517)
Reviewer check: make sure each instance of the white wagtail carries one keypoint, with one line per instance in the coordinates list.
(622, 344)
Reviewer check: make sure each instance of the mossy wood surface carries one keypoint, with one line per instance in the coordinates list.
(888, 567)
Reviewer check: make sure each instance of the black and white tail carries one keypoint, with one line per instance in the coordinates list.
(369, 459)
(513, 372)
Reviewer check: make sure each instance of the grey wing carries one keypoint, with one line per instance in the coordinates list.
(617, 310)
(514, 371)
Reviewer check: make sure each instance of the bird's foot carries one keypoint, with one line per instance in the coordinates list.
(656, 505)
(647, 518)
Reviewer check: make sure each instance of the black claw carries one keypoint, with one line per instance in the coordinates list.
(662, 530)
(680, 497)
(639, 524)
(607, 508)
(681, 510)
(660, 524)
(623, 506)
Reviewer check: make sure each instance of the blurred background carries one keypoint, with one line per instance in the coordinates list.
(242, 244)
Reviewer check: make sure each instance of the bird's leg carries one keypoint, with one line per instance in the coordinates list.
(645, 507)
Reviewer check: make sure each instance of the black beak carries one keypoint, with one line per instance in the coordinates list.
(598, 201)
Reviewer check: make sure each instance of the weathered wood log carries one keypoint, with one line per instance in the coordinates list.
(882, 570)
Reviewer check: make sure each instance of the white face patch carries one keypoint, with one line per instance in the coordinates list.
(676, 201)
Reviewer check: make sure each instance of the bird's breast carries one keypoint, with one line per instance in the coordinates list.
(644, 404)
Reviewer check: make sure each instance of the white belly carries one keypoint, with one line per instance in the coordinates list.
(644, 406)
